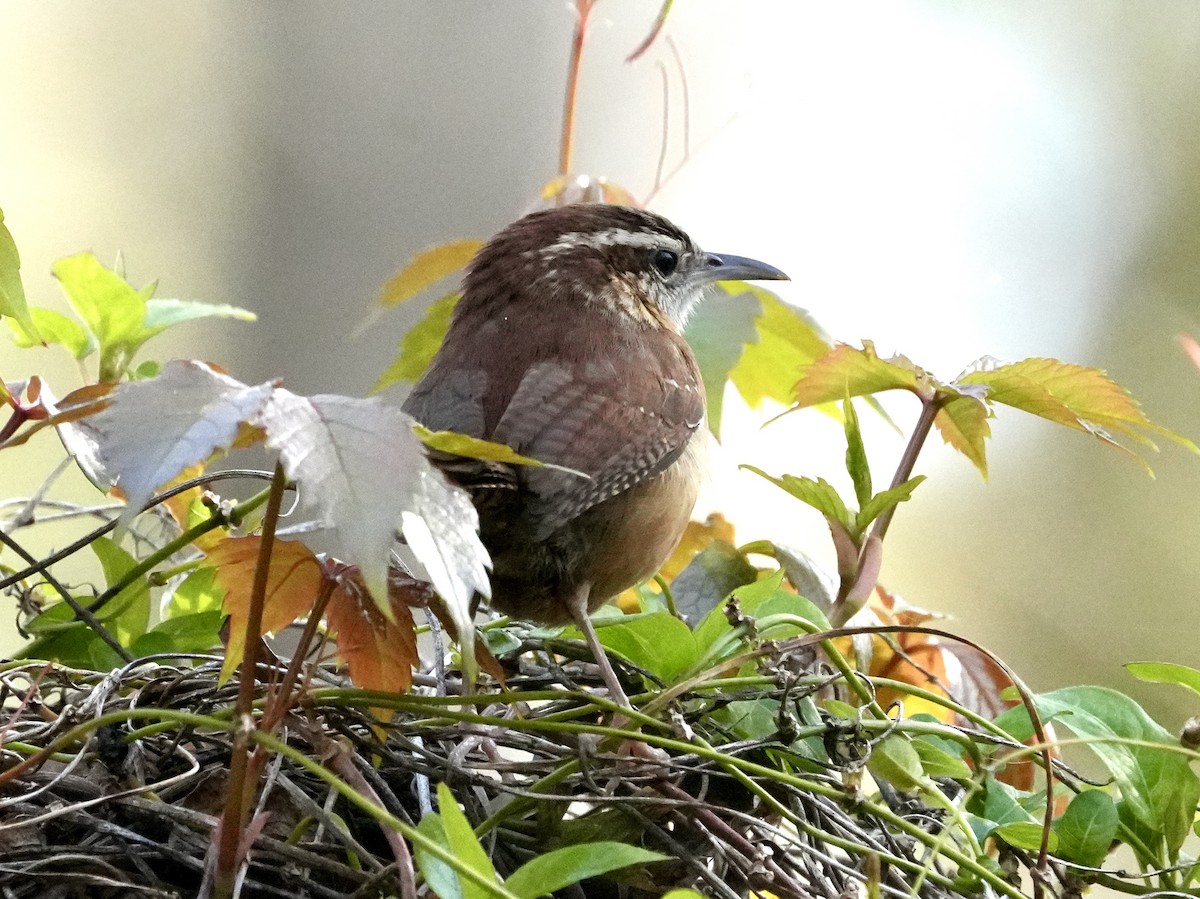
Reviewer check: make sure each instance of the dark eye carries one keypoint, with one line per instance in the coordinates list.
(665, 261)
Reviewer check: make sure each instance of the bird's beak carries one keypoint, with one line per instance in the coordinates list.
(727, 267)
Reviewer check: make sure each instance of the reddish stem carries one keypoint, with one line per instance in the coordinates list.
(583, 9)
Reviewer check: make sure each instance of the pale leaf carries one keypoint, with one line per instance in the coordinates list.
(359, 463)
(152, 430)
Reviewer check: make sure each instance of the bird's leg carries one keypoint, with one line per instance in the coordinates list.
(578, 607)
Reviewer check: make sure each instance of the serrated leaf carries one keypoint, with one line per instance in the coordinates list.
(54, 327)
(108, 305)
(1079, 397)
(162, 314)
(547, 873)
(380, 653)
(885, 500)
(152, 430)
(427, 268)
(1087, 828)
(419, 344)
(848, 371)
(963, 423)
(1166, 673)
(895, 760)
(12, 291)
(293, 583)
(857, 465)
(819, 494)
(360, 465)
(128, 613)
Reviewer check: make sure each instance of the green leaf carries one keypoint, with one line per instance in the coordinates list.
(544, 874)
(1025, 835)
(882, 502)
(198, 593)
(788, 340)
(857, 465)
(12, 291)
(472, 447)
(709, 577)
(461, 840)
(763, 599)
(963, 424)
(108, 305)
(128, 613)
(895, 760)
(819, 494)
(658, 642)
(419, 344)
(1002, 804)
(1156, 784)
(162, 314)
(441, 878)
(197, 632)
(1073, 395)
(849, 371)
(1166, 673)
(1087, 828)
(937, 762)
(54, 327)
(719, 331)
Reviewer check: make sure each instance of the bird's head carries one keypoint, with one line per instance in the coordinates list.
(627, 262)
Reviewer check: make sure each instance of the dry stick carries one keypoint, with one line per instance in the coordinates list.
(233, 820)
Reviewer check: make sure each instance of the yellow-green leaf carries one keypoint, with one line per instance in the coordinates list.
(54, 327)
(12, 291)
(461, 445)
(963, 423)
(848, 371)
(427, 268)
(419, 344)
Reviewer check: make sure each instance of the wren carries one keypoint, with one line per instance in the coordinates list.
(567, 347)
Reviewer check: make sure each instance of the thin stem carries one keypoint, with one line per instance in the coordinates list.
(929, 410)
(241, 785)
(583, 8)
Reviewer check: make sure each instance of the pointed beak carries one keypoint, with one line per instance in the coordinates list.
(727, 267)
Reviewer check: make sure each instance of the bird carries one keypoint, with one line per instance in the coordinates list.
(566, 345)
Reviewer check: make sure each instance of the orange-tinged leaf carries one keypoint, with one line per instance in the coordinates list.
(963, 423)
(427, 268)
(292, 586)
(847, 371)
(379, 653)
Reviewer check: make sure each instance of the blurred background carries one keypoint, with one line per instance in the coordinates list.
(948, 179)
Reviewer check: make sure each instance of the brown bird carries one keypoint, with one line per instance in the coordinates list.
(566, 346)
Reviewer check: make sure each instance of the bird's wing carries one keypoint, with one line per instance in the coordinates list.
(615, 427)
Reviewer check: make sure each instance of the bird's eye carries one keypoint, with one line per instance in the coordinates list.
(665, 261)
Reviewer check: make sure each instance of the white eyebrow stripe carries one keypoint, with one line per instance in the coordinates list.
(614, 237)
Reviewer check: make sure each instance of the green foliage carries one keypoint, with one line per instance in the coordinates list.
(113, 317)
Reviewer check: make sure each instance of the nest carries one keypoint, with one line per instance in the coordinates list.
(130, 772)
